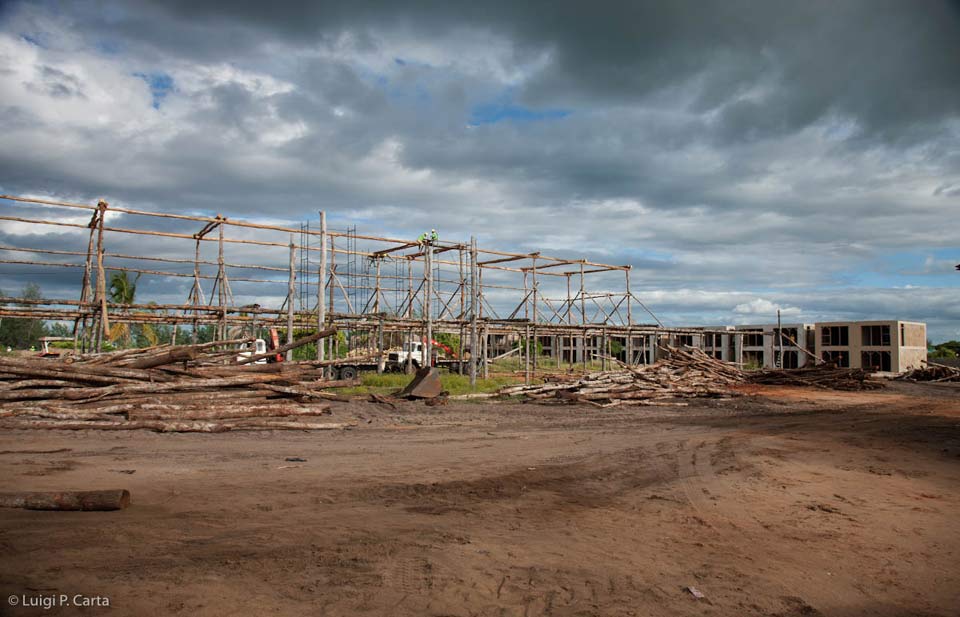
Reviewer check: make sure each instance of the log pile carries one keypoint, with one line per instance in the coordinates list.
(684, 374)
(189, 388)
(824, 376)
(933, 372)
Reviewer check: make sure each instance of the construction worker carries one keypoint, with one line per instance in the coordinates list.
(422, 240)
(433, 235)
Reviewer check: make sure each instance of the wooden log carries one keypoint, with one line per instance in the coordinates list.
(78, 394)
(172, 356)
(303, 392)
(232, 412)
(56, 413)
(160, 426)
(270, 424)
(170, 426)
(67, 500)
(77, 372)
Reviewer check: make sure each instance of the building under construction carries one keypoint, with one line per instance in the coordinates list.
(242, 276)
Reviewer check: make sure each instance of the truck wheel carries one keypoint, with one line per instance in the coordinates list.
(348, 372)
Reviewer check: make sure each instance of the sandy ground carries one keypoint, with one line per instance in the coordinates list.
(783, 502)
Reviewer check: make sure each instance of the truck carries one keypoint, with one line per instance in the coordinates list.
(412, 352)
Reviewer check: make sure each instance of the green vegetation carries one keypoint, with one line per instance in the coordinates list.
(23, 333)
(452, 383)
(943, 351)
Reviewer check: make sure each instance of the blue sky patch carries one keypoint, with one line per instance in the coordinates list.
(160, 84)
(504, 109)
(34, 39)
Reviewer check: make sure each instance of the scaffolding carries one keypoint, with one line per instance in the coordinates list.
(379, 291)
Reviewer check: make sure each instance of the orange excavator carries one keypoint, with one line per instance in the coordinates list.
(447, 350)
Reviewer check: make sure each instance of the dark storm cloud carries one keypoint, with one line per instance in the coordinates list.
(714, 145)
(890, 64)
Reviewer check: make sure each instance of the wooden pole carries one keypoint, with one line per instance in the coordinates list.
(463, 292)
(583, 322)
(86, 290)
(68, 500)
(104, 325)
(526, 355)
(376, 288)
(474, 300)
(333, 341)
(322, 282)
(428, 316)
(533, 281)
(221, 286)
(291, 291)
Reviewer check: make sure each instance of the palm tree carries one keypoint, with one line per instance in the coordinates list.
(124, 291)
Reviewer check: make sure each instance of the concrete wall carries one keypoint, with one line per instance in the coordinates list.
(912, 346)
(907, 348)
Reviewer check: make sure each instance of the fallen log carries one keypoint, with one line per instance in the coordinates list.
(177, 354)
(229, 413)
(169, 426)
(68, 500)
(302, 392)
(160, 426)
(79, 394)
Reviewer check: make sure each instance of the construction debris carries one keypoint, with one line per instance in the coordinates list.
(685, 373)
(933, 372)
(825, 376)
(193, 388)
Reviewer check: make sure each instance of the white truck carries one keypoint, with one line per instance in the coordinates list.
(396, 361)
(259, 348)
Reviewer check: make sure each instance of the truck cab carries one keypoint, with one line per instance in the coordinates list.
(412, 350)
(259, 348)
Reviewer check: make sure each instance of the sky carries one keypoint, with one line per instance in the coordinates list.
(742, 156)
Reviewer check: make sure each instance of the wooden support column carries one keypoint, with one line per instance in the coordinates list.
(332, 341)
(460, 317)
(427, 314)
(486, 350)
(221, 334)
(322, 283)
(291, 292)
(380, 355)
(629, 345)
(80, 329)
(603, 349)
(409, 368)
(376, 288)
(526, 355)
(474, 301)
(533, 280)
(583, 322)
(103, 327)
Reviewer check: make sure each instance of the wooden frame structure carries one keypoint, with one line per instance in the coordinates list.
(382, 290)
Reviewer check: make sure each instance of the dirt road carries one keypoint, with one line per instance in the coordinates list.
(790, 503)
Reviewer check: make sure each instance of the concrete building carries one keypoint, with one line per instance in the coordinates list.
(894, 346)
(759, 345)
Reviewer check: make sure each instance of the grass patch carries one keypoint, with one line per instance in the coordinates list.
(372, 383)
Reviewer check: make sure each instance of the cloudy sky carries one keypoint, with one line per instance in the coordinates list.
(742, 156)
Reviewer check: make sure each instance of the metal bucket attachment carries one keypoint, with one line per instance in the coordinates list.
(426, 384)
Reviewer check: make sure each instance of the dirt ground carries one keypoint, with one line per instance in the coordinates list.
(782, 502)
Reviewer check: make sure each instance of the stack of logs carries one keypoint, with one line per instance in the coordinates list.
(824, 376)
(933, 372)
(189, 388)
(683, 374)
